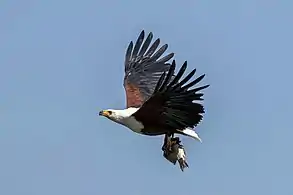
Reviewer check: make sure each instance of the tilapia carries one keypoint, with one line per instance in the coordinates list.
(175, 153)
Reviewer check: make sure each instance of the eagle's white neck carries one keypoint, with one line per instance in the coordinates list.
(121, 114)
(124, 117)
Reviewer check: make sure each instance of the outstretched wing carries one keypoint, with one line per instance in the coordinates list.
(172, 105)
(143, 69)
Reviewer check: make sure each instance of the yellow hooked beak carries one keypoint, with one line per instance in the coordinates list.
(104, 113)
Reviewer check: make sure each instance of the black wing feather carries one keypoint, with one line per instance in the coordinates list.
(169, 76)
(185, 80)
(128, 55)
(179, 75)
(193, 82)
(153, 48)
(166, 58)
(160, 82)
(138, 44)
(159, 53)
(146, 44)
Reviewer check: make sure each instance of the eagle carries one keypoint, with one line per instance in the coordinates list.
(158, 101)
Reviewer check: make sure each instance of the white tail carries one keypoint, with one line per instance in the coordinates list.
(191, 133)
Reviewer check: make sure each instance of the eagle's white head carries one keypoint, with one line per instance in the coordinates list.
(123, 117)
(114, 115)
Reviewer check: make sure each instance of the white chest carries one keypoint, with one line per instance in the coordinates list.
(133, 124)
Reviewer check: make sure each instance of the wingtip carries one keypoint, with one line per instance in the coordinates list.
(150, 36)
(183, 67)
(141, 34)
(185, 63)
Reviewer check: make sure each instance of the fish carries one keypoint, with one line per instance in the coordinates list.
(175, 153)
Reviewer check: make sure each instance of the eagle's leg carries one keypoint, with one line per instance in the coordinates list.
(168, 141)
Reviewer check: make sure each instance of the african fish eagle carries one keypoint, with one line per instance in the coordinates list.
(158, 103)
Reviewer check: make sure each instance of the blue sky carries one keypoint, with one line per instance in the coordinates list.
(62, 61)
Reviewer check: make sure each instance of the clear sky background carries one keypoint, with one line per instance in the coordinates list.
(62, 61)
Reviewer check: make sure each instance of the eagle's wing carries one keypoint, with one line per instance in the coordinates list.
(172, 105)
(143, 68)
